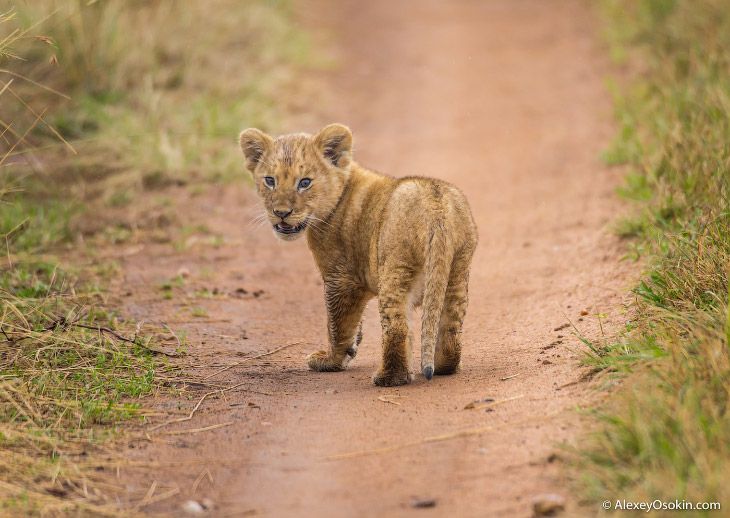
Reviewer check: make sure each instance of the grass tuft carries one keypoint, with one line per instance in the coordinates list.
(106, 104)
(666, 433)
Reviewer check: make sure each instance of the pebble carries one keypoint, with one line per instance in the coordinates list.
(193, 507)
(548, 504)
(423, 503)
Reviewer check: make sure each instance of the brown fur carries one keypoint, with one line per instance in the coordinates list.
(406, 241)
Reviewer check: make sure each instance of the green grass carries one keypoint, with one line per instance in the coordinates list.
(666, 433)
(60, 352)
(70, 372)
(106, 106)
(162, 108)
(199, 312)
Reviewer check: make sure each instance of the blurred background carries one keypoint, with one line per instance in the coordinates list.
(110, 108)
(105, 107)
(104, 98)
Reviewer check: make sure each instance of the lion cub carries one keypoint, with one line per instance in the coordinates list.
(408, 241)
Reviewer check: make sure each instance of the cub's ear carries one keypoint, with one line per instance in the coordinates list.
(335, 144)
(254, 143)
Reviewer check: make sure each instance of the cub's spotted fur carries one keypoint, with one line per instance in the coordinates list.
(408, 241)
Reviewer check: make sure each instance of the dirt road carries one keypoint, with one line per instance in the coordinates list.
(506, 100)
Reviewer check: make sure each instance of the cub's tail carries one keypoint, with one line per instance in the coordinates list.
(439, 254)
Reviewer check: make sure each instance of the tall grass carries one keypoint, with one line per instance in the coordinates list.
(157, 88)
(100, 102)
(60, 374)
(667, 432)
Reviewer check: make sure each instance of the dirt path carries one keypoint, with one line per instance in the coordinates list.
(504, 99)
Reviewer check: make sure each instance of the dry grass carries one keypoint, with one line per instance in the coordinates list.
(666, 433)
(102, 102)
(146, 101)
(67, 378)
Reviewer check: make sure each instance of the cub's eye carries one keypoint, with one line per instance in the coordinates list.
(270, 181)
(304, 183)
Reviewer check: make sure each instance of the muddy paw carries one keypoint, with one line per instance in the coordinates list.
(321, 361)
(392, 379)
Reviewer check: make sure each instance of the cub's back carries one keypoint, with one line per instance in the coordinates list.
(416, 205)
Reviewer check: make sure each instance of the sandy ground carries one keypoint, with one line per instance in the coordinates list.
(506, 100)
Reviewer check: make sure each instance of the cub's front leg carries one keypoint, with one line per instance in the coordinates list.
(345, 305)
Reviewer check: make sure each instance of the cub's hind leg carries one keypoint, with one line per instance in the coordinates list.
(395, 284)
(345, 305)
(448, 345)
(352, 350)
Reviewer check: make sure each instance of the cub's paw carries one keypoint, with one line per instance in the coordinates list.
(446, 369)
(351, 353)
(392, 378)
(322, 361)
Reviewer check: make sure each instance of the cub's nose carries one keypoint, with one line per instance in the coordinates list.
(282, 213)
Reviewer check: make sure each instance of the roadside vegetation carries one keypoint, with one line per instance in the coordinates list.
(666, 433)
(103, 105)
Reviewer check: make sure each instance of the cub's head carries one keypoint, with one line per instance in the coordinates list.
(299, 177)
